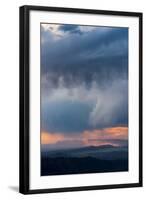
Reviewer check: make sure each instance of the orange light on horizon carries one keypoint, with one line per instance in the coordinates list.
(88, 137)
(117, 131)
(97, 136)
(51, 138)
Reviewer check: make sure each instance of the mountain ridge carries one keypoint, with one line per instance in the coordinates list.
(91, 147)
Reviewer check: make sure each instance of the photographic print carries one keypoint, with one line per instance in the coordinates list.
(84, 99)
(80, 99)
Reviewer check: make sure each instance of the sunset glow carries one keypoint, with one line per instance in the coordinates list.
(95, 137)
(48, 138)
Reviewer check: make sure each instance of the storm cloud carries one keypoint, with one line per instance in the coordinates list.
(72, 110)
(99, 54)
(84, 78)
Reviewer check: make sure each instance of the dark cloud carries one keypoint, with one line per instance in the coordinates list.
(71, 113)
(65, 117)
(71, 29)
(69, 118)
(82, 58)
(98, 57)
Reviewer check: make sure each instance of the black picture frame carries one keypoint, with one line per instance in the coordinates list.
(24, 99)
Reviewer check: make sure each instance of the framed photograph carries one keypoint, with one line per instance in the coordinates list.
(80, 99)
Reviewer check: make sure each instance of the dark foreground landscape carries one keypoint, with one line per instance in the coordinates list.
(106, 158)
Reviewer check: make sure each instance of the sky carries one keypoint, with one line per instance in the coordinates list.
(84, 86)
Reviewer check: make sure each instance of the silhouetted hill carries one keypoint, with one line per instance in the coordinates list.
(61, 165)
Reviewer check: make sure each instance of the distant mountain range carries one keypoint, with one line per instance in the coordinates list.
(106, 152)
(95, 147)
(90, 159)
